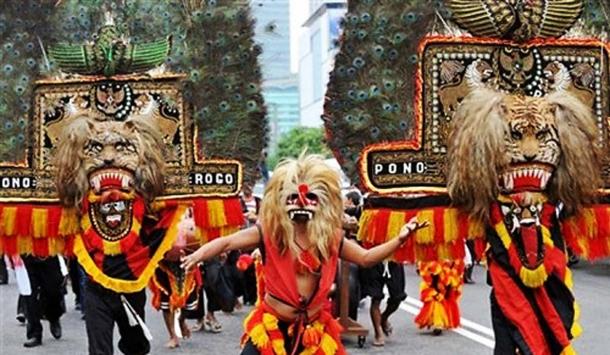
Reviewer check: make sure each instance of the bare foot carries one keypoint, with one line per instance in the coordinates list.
(184, 328)
(379, 341)
(172, 343)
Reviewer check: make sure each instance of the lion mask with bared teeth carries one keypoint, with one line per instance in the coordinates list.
(93, 154)
(507, 143)
(304, 190)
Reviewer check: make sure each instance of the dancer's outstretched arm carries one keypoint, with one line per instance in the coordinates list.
(248, 238)
(354, 253)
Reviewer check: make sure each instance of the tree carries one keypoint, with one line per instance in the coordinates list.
(291, 144)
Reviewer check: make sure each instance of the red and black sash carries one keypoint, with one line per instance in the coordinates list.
(544, 316)
(128, 264)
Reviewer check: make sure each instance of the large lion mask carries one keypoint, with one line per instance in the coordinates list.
(504, 143)
(304, 190)
(104, 155)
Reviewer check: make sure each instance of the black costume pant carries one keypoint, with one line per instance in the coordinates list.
(75, 279)
(372, 280)
(3, 272)
(250, 293)
(102, 309)
(508, 339)
(47, 293)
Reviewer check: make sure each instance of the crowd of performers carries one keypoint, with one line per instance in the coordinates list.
(235, 266)
(289, 278)
(215, 277)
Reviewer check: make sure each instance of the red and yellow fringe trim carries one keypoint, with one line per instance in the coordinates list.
(442, 239)
(440, 292)
(213, 217)
(47, 229)
(588, 233)
(320, 337)
(530, 277)
(36, 229)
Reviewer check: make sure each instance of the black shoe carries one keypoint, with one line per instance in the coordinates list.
(33, 342)
(56, 329)
(20, 318)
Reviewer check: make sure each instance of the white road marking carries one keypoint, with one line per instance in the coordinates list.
(415, 305)
(463, 321)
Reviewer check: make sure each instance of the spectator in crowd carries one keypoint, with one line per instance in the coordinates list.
(209, 298)
(250, 204)
(372, 280)
(46, 298)
(469, 261)
(353, 209)
(3, 272)
(263, 166)
(247, 278)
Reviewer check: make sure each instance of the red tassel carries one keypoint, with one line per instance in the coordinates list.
(24, 220)
(40, 247)
(309, 261)
(53, 218)
(311, 336)
(233, 212)
(380, 227)
(9, 245)
(200, 213)
(244, 261)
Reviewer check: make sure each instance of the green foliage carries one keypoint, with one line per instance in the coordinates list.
(371, 88)
(292, 144)
(212, 43)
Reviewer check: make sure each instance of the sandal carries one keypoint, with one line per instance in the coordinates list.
(198, 327)
(378, 343)
(213, 326)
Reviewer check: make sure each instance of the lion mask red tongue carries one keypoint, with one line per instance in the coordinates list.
(529, 238)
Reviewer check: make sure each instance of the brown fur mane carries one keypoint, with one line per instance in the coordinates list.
(72, 175)
(477, 152)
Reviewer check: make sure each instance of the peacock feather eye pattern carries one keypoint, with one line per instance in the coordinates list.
(212, 44)
(373, 78)
(376, 66)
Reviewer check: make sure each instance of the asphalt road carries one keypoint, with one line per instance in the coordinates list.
(592, 290)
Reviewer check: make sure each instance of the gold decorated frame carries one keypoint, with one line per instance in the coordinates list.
(188, 174)
(428, 147)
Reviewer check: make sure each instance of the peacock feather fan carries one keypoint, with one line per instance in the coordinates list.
(212, 42)
(371, 89)
(370, 92)
(22, 23)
